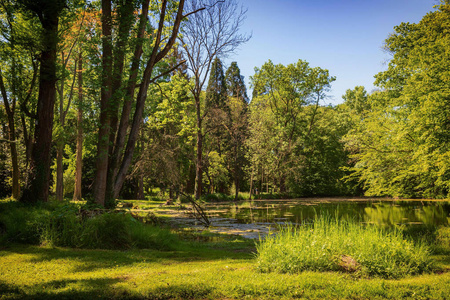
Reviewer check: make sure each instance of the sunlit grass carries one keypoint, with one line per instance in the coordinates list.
(342, 245)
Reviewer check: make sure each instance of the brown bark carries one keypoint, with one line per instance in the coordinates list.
(156, 56)
(10, 111)
(60, 144)
(100, 180)
(126, 109)
(79, 154)
(39, 176)
(199, 164)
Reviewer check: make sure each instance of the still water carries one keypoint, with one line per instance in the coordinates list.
(252, 219)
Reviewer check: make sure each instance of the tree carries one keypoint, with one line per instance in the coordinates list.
(280, 127)
(17, 79)
(238, 126)
(400, 146)
(115, 143)
(210, 33)
(48, 13)
(234, 82)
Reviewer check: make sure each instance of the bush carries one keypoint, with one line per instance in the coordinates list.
(65, 225)
(331, 245)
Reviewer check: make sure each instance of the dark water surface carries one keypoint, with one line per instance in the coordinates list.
(254, 218)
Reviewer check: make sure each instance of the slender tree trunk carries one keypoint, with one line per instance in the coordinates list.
(251, 185)
(79, 160)
(199, 165)
(60, 143)
(10, 111)
(39, 178)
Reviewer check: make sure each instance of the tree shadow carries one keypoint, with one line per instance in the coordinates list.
(98, 288)
(91, 259)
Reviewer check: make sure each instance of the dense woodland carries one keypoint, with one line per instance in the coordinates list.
(111, 99)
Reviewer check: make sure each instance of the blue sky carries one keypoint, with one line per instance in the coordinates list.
(346, 37)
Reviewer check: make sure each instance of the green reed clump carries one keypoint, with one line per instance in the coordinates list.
(332, 245)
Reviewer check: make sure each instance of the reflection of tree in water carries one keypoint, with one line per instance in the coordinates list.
(385, 214)
(389, 214)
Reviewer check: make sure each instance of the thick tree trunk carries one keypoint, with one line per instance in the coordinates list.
(79, 160)
(39, 176)
(101, 173)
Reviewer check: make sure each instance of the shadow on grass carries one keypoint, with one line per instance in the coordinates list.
(87, 260)
(98, 288)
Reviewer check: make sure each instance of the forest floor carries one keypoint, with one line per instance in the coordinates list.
(204, 265)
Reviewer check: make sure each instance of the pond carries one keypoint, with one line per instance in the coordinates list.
(252, 219)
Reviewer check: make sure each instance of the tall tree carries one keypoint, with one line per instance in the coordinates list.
(238, 125)
(79, 152)
(282, 94)
(115, 143)
(400, 144)
(235, 82)
(210, 33)
(48, 12)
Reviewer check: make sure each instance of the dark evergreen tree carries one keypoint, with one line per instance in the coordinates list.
(216, 92)
(235, 82)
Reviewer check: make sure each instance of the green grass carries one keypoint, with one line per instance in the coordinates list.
(342, 245)
(204, 271)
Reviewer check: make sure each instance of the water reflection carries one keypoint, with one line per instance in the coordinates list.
(382, 213)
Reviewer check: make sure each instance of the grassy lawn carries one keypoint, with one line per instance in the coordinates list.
(200, 270)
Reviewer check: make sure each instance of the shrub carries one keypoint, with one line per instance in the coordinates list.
(64, 225)
(331, 244)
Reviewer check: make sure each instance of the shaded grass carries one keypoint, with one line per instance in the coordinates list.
(342, 245)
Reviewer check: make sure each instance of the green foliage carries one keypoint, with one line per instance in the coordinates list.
(400, 139)
(295, 143)
(331, 245)
(69, 225)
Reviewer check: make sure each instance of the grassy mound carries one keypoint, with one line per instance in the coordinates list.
(332, 245)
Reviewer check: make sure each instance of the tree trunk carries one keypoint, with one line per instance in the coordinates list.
(79, 160)
(60, 144)
(155, 57)
(10, 111)
(39, 176)
(101, 173)
(199, 165)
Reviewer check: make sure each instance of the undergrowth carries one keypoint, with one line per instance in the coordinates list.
(342, 245)
(71, 225)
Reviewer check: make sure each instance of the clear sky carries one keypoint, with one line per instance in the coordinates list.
(344, 36)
